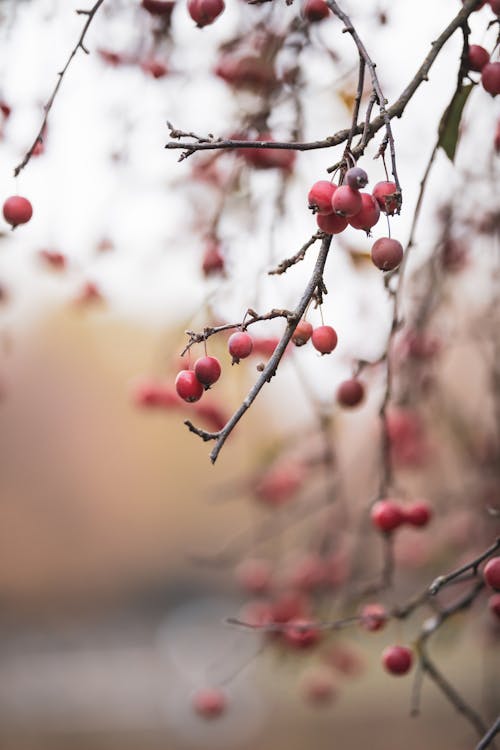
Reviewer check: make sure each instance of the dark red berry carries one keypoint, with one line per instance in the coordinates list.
(477, 58)
(346, 201)
(490, 78)
(397, 659)
(209, 703)
(158, 7)
(368, 215)
(320, 197)
(494, 604)
(418, 514)
(491, 573)
(385, 193)
(205, 12)
(387, 253)
(315, 10)
(373, 616)
(324, 339)
(301, 633)
(240, 346)
(356, 178)
(331, 224)
(387, 515)
(17, 210)
(188, 386)
(350, 393)
(207, 370)
(302, 333)
(154, 68)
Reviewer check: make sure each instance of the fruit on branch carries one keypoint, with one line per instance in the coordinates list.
(356, 178)
(324, 339)
(290, 605)
(210, 703)
(207, 370)
(158, 7)
(17, 210)
(387, 515)
(240, 346)
(331, 223)
(418, 514)
(350, 393)
(491, 573)
(301, 633)
(188, 386)
(320, 197)
(346, 201)
(373, 616)
(204, 12)
(385, 193)
(490, 78)
(397, 660)
(387, 253)
(494, 604)
(154, 68)
(477, 57)
(315, 10)
(368, 215)
(302, 333)
(254, 575)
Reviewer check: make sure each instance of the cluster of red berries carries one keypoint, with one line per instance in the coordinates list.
(337, 206)
(491, 575)
(388, 515)
(204, 12)
(17, 210)
(479, 61)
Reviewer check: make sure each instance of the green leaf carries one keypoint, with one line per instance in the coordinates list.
(449, 127)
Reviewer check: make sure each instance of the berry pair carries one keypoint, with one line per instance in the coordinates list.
(388, 515)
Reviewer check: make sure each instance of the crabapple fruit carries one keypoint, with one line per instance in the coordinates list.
(350, 393)
(387, 515)
(418, 514)
(373, 616)
(320, 197)
(17, 210)
(324, 339)
(301, 633)
(397, 659)
(494, 604)
(356, 178)
(207, 370)
(188, 386)
(158, 7)
(385, 193)
(331, 223)
(387, 253)
(204, 12)
(490, 78)
(491, 573)
(346, 201)
(302, 333)
(209, 703)
(368, 214)
(315, 10)
(477, 57)
(240, 346)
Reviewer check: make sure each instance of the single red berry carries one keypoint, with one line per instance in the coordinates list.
(154, 68)
(346, 201)
(188, 386)
(494, 604)
(5, 109)
(290, 605)
(495, 6)
(254, 575)
(53, 258)
(17, 210)
(356, 178)
(373, 616)
(302, 333)
(418, 514)
(301, 633)
(324, 339)
(207, 370)
(397, 659)
(368, 215)
(350, 393)
(387, 253)
(491, 573)
(385, 193)
(331, 223)
(205, 12)
(318, 687)
(315, 10)
(158, 7)
(387, 515)
(490, 78)
(320, 197)
(477, 58)
(240, 346)
(210, 703)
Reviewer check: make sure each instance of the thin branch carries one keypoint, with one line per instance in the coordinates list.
(284, 265)
(441, 581)
(489, 736)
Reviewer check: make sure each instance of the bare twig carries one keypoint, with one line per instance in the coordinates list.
(489, 736)
(284, 265)
(473, 565)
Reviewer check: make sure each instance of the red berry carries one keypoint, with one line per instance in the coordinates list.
(346, 201)
(240, 346)
(320, 197)
(290, 606)
(213, 260)
(158, 7)
(373, 616)
(356, 178)
(315, 10)
(53, 258)
(302, 333)
(155, 68)
(478, 57)
(269, 158)
(254, 575)
(331, 224)
(387, 515)
(301, 633)
(491, 573)
(17, 210)
(385, 195)
(209, 703)
(188, 386)
(350, 393)
(368, 215)
(280, 483)
(418, 514)
(490, 78)
(205, 12)
(494, 604)
(318, 687)
(387, 253)
(397, 659)
(249, 71)
(207, 370)
(324, 339)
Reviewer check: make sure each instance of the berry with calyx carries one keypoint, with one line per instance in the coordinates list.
(17, 210)
(315, 10)
(373, 616)
(301, 633)
(324, 339)
(188, 386)
(490, 78)
(387, 253)
(302, 333)
(204, 12)
(320, 197)
(240, 346)
(210, 703)
(207, 370)
(491, 573)
(346, 201)
(477, 57)
(418, 514)
(385, 193)
(368, 215)
(494, 604)
(158, 7)
(331, 223)
(397, 659)
(356, 178)
(387, 515)
(350, 393)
